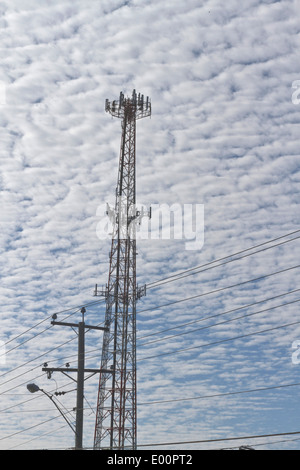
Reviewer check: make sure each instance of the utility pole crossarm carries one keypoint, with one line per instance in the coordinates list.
(72, 369)
(76, 325)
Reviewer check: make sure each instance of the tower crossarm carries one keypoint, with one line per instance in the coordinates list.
(137, 106)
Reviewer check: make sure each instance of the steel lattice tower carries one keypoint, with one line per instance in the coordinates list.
(116, 406)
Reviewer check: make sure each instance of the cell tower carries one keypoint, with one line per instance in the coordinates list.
(116, 406)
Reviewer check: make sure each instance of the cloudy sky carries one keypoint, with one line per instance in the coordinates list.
(217, 345)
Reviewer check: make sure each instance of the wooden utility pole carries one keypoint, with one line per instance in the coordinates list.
(81, 370)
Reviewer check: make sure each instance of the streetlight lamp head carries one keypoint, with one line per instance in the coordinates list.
(32, 388)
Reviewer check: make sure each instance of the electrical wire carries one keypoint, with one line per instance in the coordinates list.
(190, 270)
(206, 441)
(50, 316)
(38, 357)
(29, 428)
(220, 323)
(219, 395)
(261, 444)
(47, 433)
(219, 341)
(154, 308)
(151, 285)
(176, 400)
(34, 359)
(34, 397)
(276, 387)
(158, 307)
(219, 289)
(181, 325)
(176, 302)
(29, 339)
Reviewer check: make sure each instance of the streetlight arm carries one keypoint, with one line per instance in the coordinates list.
(55, 404)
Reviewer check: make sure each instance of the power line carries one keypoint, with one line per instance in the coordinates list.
(220, 289)
(29, 428)
(199, 397)
(40, 365)
(190, 270)
(226, 321)
(38, 357)
(36, 367)
(50, 316)
(93, 303)
(194, 398)
(262, 444)
(205, 441)
(170, 303)
(156, 307)
(220, 341)
(35, 397)
(38, 436)
(220, 323)
(218, 395)
(149, 286)
(34, 359)
(216, 315)
(199, 295)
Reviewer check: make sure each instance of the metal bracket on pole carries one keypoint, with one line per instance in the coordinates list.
(140, 291)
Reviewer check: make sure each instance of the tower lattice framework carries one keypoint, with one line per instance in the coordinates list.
(116, 416)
